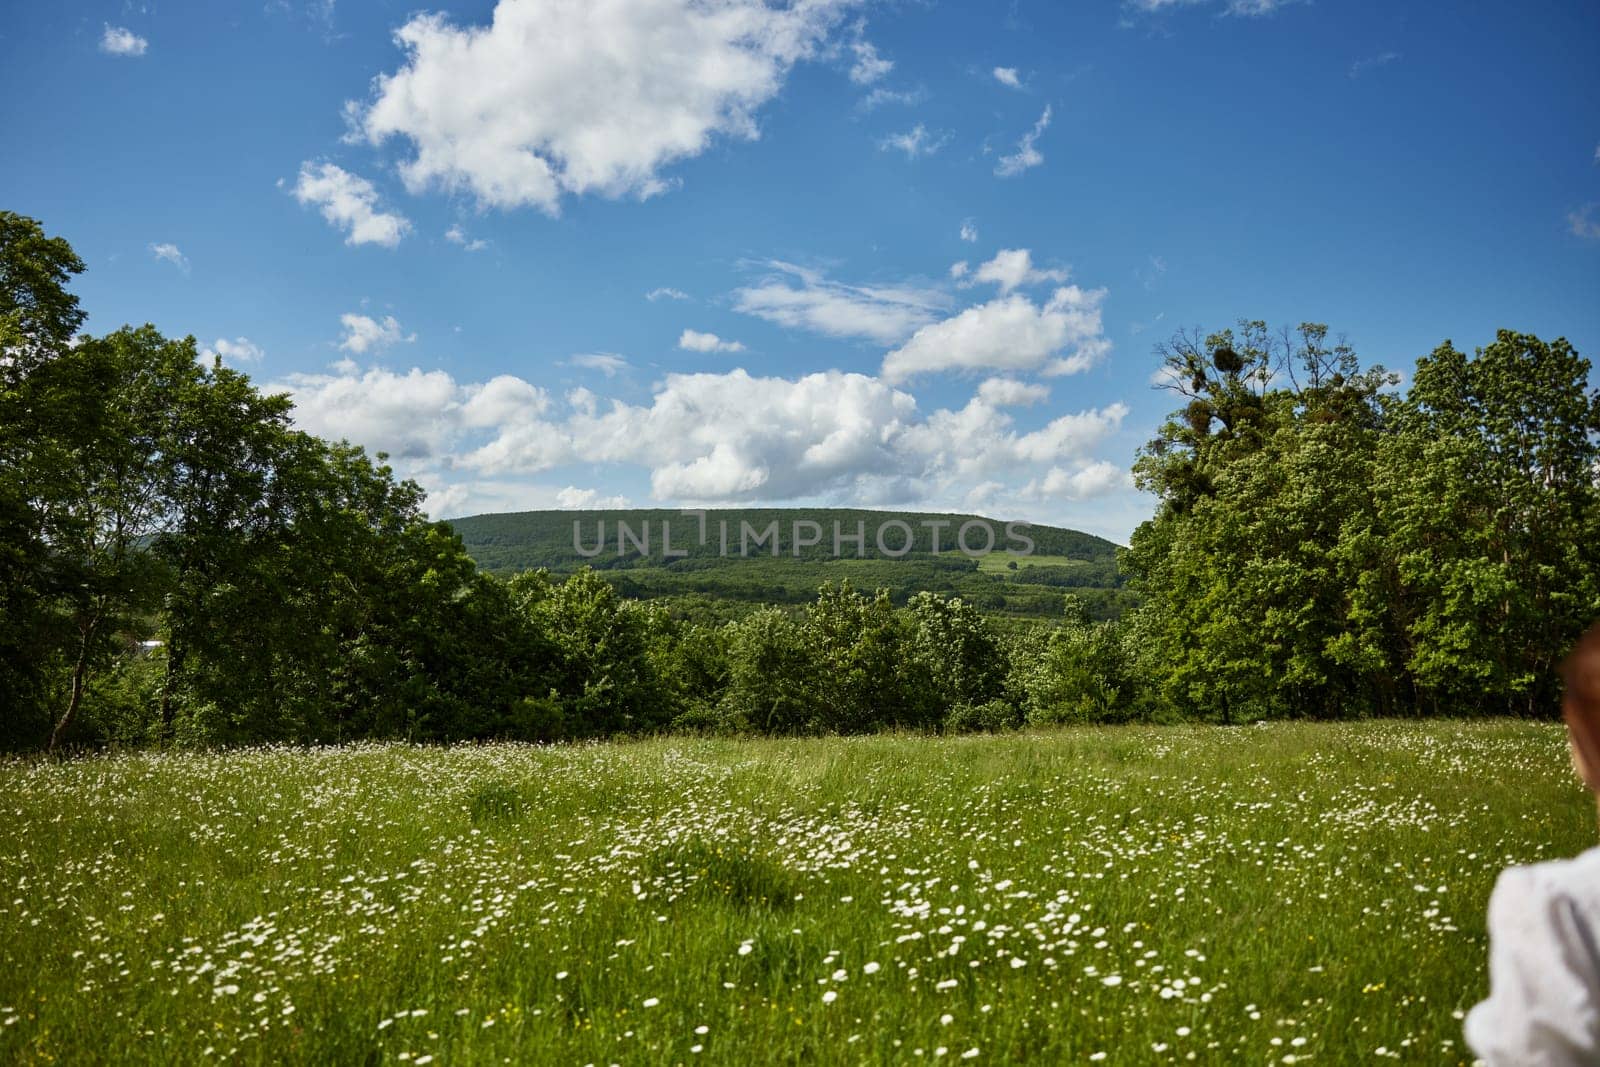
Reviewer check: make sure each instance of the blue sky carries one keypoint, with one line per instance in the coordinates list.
(701, 252)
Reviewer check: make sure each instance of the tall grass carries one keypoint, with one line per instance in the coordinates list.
(1277, 893)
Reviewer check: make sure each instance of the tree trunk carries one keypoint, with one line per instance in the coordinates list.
(80, 671)
(174, 664)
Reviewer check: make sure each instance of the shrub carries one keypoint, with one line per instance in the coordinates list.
(995, 716)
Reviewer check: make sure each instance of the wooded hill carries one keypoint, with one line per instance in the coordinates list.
(716, 581)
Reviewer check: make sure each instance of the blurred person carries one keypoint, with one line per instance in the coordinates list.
(1543, 1008)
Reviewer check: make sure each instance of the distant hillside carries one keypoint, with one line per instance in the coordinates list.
(729, 567)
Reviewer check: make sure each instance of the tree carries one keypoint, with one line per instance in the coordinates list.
(957, 651)
(114, 498)
(1487, 499)
(1258, 476)
(38, 320)
(602, 669)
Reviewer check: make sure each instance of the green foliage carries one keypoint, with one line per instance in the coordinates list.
(708, 584)
(1322, 547)
(990, 717)
(1325, 548)
(603, 671)
(1082, 672)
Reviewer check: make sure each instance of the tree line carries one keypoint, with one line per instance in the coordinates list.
(180, 565)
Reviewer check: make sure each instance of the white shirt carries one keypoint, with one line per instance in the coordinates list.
(1544, 968)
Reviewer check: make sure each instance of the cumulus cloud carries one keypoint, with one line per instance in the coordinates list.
(1009, 392)
(1012, 268)
(238, 350)
(457, 236)
(362, 333)
(960, 269)
(169, 253)
(695, 341)
(868, 66)
(555, 98)
(1027, 154)
(412, 416)
(969, 232)
(575, 499)
(915, 142)
(666, 293)
(117, 41)
(1094, 480)
(705, 438)
(350, 203)
(800, 298)
(1010, 333)
(1008, 77)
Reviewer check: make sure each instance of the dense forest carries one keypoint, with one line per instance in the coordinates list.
(180, 565)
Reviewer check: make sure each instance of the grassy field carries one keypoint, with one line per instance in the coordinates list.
(999, 562)
(1284, 893)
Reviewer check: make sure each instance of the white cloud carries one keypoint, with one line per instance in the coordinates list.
(1361, 66)
(1009, 392)
(707, 438)
(884, 314)
(666, 293)
(1027, 154)
(1256, 8)
(869, 66)
(1012, 268)
(413, 416)
(1251, 8)
(169, 252)
(1008, 77)
(883, 95)
(457, 236)
(574, 499)
(350, 203)
(1094, 480)
(556, 97)
(969, 232)
(117, 41)
(1583, 222)
(238, 350)
(960, 269)
(915, 142)
(362, 333)
(1008, 333)
(607, 363)
(695, 341)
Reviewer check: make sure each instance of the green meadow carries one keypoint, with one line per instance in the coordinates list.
(1275, 893)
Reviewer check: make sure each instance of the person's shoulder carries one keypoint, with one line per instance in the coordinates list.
(1575, 881)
